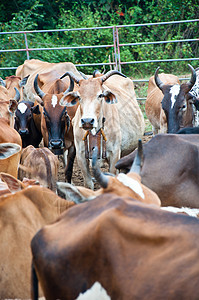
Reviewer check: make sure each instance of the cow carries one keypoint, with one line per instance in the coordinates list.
(33, 67)
(12, 82)
(9, 158)
(168, 106)
(117, 126)
(22, 214)
(43, 162)
(9, 184)
(56, 127)
(134, 250)
(170, 168)
(122, 185)
(8, 134)
(25, 123)
(8, 106)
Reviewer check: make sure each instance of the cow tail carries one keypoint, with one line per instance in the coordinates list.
(34, 284)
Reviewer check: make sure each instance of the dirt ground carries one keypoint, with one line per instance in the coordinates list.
(77, 178)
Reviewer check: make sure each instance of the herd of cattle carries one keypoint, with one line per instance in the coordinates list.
(137, 237)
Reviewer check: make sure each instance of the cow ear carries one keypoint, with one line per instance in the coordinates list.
(70, 99)
(23, 81)
(35, 110)
(13, 104)
(109, 97)
(71, 192)
(13, 184)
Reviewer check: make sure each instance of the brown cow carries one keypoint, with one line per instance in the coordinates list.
(43, 162)
(22, 214)
(56, 127)
(12, 82)
(9, 158)
(8, 134)
(170, 168)
(120, 125)
(168, 106)
(134, 250)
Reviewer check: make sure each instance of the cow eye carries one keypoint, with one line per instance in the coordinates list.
(183, 108)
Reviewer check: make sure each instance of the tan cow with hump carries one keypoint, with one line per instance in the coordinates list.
(106, 103)
(33, 67)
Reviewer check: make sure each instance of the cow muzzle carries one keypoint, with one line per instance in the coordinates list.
(87, 123)
(56, 146)
(23, 132)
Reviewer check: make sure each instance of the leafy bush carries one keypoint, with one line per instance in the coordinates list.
(84, 14)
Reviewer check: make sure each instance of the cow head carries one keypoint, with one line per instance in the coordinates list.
(55, 121)
(175, 103)
(24, 115)
(12, 82)
(91, 95)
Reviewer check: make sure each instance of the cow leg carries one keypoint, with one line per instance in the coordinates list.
(69, 157)
(113, 158)
(83, 164)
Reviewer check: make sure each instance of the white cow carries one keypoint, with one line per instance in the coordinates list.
(120, 124)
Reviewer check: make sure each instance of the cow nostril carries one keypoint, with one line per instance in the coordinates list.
(56, 144)
(88, 121)
(23, 131)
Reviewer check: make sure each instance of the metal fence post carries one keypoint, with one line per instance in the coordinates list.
(26, 42)
(118, 48)
(115, 47)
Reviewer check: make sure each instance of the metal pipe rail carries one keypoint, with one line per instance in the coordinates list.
(115, 45)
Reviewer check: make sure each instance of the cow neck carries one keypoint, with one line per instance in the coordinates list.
(92, 140)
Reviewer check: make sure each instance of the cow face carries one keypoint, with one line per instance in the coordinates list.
(24, 116)
(54, 122)
(178, 109)
(91, 96)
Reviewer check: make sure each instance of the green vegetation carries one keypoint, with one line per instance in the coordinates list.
(55, 14)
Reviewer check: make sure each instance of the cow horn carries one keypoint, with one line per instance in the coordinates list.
(193, 76)
(71, 86)
(39, 92)
(83, 75)
(158, 82)
(99, 176)
(136, 166)
(71, 75)
(2, 82)
(17, 94)
(110, 73)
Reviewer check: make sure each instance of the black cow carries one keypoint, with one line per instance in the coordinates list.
(25, 125)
